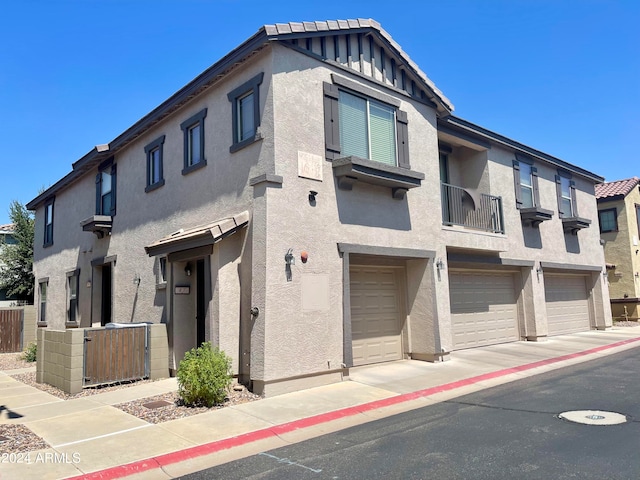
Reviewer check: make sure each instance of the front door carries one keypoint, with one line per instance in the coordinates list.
(105, 309)
(200, 302)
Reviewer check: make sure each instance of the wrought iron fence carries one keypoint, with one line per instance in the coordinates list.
(459, 207)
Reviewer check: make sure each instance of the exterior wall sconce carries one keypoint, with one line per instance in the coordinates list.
(289, 258)
(187, 270)
(538, 272)
(439, 267)
(312, 197)
(136, 279)
(88, 283)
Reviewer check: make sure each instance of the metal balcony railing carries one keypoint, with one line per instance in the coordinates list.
(464, 208)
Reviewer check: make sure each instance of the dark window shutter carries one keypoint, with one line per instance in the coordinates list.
(403, 139)
(534, 182)
(559, 196)
(516, 183)
(114, 184)
(331, 121)
(98, 189)
(574, 205)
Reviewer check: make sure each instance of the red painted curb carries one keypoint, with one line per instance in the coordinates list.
(219, 445)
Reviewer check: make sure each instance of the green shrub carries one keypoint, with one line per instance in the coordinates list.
(29, 354)
(204, 376)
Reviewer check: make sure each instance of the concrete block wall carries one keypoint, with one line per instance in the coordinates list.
(158, 351)
(60, 357)
(29, 326)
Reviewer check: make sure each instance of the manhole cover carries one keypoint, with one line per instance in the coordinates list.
(157, 404)
(594, 417)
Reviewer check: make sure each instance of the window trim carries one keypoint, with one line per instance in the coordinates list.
(517, 177)
(615, 218)
(48, 233)
(332, 118)
(108, 165)
(76, 321)
(572, 195)
(161, 279)
(42, 319)
(186, 126)
(251, 86)
(156, 145)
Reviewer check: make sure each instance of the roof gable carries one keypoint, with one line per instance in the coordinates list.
(616, 188)
(365, 48)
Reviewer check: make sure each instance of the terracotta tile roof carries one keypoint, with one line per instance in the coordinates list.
(7, 227)
(619, 187)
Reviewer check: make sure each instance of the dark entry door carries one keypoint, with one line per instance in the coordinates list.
(200, 302)
(105, 309)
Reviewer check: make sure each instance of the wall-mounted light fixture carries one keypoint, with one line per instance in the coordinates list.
(538, 272)
(289, 258)
(187, 270)
(312, 197)
(439, 267)
(136, 279)
(88, 283)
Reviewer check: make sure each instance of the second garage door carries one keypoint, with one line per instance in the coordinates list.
(375, 315)
(483, 309)
(567, 304)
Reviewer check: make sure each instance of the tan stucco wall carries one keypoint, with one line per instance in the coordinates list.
(622, 248)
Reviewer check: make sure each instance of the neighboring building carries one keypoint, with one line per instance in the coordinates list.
(6, 238)
(309, 204)
(619, 218)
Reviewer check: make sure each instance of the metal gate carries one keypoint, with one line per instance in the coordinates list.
(117, 353)
(11, 322)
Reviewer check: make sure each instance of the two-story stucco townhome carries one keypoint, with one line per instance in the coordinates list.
(309, 204)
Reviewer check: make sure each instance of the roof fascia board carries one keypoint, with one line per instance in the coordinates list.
(613, 198)
(497, 138)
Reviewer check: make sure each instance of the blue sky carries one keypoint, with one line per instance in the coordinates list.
(560, 76)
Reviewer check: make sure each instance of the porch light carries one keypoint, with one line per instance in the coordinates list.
(187, 270)
(289, 258)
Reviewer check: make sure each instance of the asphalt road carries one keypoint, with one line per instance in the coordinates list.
(506, 432)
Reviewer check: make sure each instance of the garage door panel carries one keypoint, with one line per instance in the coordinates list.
(567, 304)
(483, 309)
(375, 315)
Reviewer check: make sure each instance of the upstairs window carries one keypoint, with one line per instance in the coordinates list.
(608, 220)
(193, 129)
(525, 177)
(48, 223)
(155, 170)
(245, 103)
(566, 196)
(106, 189)
(365, 123)
(367, 129)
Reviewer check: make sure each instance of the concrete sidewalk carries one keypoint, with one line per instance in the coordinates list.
(92, 439)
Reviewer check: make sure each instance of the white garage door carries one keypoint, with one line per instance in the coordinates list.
(567, 304)
(375, 315)
(483, 309)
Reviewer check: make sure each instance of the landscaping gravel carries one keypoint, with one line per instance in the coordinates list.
(13, 361)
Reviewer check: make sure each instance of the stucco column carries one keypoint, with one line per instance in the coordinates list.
(533, 304)
(600, 301)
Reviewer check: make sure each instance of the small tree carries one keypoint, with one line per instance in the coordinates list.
(16, 260)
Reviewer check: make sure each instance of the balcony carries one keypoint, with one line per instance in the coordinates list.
(466, 208)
